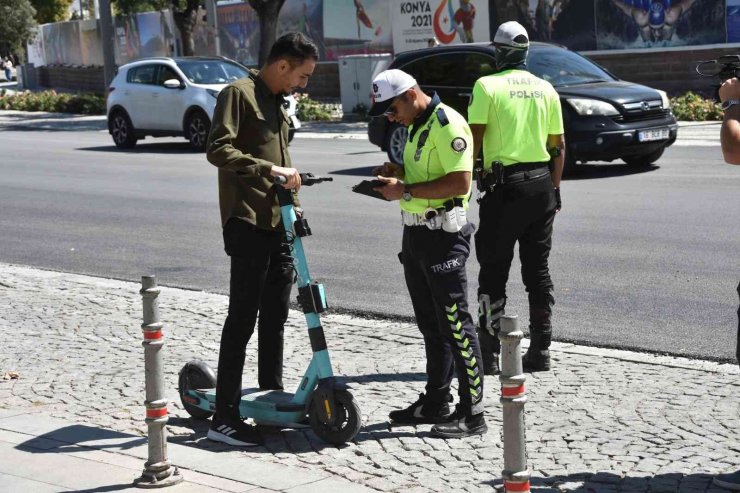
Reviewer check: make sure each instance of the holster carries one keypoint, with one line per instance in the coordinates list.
(487, 179)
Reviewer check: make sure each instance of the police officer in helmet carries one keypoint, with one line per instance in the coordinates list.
(433, 188)
(517, 119)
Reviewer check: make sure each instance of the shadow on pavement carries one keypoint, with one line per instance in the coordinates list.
(153, 148)
(61, 126)
(296, 441)
(70, 438)
(363, 171)
(111, 487)
(383, 377)
(605, 170)
(589, 482)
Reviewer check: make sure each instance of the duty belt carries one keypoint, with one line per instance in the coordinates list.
(450, 219)
(413, 219)
(500, 174)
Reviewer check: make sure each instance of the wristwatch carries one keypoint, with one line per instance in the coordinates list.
(730, 102)
(407, 193)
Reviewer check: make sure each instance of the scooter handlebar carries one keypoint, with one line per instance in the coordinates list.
(307, 179)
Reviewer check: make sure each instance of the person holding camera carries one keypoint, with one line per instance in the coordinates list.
(437, 175)
(729, 95)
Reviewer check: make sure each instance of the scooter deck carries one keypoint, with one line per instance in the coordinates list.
(272, 408)
(266, 407)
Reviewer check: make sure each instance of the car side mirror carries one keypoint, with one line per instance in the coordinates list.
(173, 84)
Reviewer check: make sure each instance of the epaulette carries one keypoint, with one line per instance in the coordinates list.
(442, 117)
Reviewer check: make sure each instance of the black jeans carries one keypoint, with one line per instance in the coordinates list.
(261, 280)
(434, 267)
(519, 211)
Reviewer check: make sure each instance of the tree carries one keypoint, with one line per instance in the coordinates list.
(17, 25)
(51, 10)
(185, 13)
(268, 12)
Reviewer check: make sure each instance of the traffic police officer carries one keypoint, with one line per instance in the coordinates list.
(517, 118)
(437, 172)
(249, 145)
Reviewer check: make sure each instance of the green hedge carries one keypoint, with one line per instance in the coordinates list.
(689, 107)
(694, 108)
(84, 103)
(309, 110)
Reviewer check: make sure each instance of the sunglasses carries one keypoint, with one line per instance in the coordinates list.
(392, 109)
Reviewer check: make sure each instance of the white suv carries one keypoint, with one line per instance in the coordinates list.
(172, 96)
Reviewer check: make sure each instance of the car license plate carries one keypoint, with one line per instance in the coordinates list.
(656, 134)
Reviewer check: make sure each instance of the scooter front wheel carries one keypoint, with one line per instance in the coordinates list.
(195, 375)
(348, 420)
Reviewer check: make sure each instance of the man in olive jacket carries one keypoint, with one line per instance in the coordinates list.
(249, 145)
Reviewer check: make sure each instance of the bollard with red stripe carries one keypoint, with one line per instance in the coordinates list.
(513, 397)
(158, 472)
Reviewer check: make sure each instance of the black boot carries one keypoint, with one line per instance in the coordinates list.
(534, 361)
(490, 347)
(422, 412)
(537, 357)
(460, 425)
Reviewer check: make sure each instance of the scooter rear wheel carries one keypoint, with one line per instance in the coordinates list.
(348, 424)
(195, 375)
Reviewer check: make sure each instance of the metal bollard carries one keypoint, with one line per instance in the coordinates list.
(157, 470)
(513, 397)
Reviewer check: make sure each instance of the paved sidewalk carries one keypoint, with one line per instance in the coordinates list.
(689, 134)
(44, 121)
(602, 420)
(41, 454)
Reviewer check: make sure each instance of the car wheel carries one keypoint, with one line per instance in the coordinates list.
(121, 129)
(645, 159)
(196, 129)
(395, 141)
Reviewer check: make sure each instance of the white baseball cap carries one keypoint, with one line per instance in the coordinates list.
(509, 34)
(386, 87)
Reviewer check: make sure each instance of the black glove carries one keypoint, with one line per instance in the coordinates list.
(557, 199)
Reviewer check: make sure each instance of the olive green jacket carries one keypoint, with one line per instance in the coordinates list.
(249, 135)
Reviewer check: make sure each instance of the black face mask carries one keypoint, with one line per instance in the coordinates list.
(507, 57)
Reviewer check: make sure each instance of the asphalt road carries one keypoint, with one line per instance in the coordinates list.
(645, 260)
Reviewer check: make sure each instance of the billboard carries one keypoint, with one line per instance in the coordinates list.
(62, 43)
(204, 36)
(126, 37)
(239, 32)
(417, 24)
(90, 43)
(733, 21)
(305, 16)
(565, 22)
(626, 24)
(354, 27)
(79, 42)
(36, 53)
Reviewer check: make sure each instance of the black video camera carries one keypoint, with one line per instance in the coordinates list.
(723, 68)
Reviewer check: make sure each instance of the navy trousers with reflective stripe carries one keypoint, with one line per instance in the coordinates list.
(434, 267)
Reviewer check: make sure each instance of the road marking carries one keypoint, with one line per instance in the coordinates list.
(696, 143)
